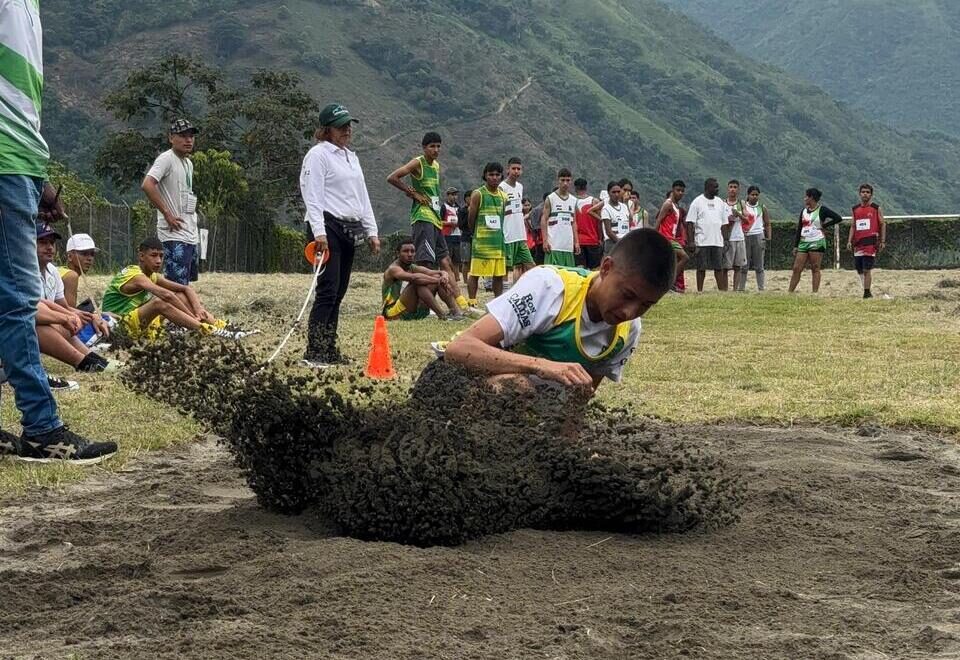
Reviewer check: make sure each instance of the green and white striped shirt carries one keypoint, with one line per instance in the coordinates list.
(22, 149)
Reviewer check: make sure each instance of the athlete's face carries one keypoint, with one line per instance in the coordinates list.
(82, 259)
(865, 196)
(150, 261)
(625, 192)
(515, 171)
(563, 184)
(46, 250)
(809, 202)
(527, 206)
(406, 253)
(616, 195)
(493, 179)
(432, 151)
(733, 190)
(753, 197)
(452, 198)
(710, 189)
(621, 296)
(678, 193)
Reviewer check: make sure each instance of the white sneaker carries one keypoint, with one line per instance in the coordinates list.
(474, 312)
(439, 348)
(315, 364)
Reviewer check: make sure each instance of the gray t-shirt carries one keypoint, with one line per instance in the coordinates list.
(174, 177)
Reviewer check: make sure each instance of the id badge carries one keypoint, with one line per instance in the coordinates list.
(189, 203)
(492, 221)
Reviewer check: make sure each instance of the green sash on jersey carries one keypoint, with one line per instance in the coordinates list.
(427, 185)
(562, 342)
(488, 237)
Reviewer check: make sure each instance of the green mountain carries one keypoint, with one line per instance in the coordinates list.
(895, 61)
(608, 88)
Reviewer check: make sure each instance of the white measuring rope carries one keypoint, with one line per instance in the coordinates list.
(317, 272)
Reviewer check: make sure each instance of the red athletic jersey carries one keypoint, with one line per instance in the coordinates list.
(669, 225)
(588, 229)
(866, 230)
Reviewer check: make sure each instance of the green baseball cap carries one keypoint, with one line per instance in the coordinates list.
(336, 115)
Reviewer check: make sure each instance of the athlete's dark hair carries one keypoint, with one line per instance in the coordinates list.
(580, 184)
(431, 138)
(406, 240)
(150, 243)
(564, 172)
(612, 184)
(865, 186)
(514, 161)
(547, 194)
(526, 200)
(732, 182)
(753, 189)
(625, 182)
(649, 254)
(678, 184)
(814, 193)
(492, 167)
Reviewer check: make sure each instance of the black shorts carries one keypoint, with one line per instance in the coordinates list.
(453, 248)
(864, 263)
(590, 256)
(709, 257)
(431, 245)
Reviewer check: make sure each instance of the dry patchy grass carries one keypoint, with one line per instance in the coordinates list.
(770, 358)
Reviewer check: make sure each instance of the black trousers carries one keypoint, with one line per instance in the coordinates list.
(331, 288)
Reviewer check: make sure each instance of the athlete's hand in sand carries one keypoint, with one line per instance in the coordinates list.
(565, 373)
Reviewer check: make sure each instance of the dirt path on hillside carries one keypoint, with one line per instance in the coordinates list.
(848, 548)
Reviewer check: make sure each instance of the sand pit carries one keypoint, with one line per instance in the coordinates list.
(848, 547)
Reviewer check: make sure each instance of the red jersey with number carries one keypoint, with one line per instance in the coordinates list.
(866, 230)
(588, 228)
(668, 227)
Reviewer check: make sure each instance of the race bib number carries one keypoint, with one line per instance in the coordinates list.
(435, 204)
(564, 218)
(807, 232)
(492, 221)
(515, 207)
(863, 224)
(188, 202)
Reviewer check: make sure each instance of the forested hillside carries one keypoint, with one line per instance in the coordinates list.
(606, 87)
(894, 61)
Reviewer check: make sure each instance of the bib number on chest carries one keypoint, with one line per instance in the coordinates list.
(808, 232)
(863, 224)
(563, 219)
(492, 221)
(435, 204)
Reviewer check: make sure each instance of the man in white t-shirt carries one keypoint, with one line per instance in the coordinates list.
(570, 326)
(735, 247)
(705, 221)
(517, 252)
(169, 187)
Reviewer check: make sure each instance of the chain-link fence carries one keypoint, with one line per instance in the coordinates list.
(110, 225)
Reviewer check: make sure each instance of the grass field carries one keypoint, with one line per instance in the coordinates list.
(769, 358)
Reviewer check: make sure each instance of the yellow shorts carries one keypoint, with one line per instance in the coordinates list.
(488, 267)
(133, 327)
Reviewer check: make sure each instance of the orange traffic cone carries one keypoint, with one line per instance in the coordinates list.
(379, 363)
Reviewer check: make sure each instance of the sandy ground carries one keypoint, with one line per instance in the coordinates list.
(849, 547)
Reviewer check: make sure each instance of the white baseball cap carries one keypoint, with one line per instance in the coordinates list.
(81, 242)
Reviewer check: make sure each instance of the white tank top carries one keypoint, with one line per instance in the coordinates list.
(560, 222)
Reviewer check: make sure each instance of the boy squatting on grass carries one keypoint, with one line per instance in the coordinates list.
(410, 290)
(141, 298)
(569, 325)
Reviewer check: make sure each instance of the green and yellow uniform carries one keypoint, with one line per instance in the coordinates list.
(125, 305)
(393, 309)
(428, 185)
(487, 256)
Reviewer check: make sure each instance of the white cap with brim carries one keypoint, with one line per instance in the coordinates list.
(81, 243)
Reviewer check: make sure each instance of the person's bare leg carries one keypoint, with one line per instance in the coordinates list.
(446, 265)
(448, 293)
(473, 283)
(426, 296)
(721, 277)
(799, 263)
(497, 286)
(867, 279)
(55, 342)
(701, 276)
(155, 308)
(816, 259)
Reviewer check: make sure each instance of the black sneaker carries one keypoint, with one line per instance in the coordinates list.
(64, 445)
(867, 294)
(62, 384)
(9, 444)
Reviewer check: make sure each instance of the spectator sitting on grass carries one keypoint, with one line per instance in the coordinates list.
(141, 298)
(409, 290)
(58, 324)
(569, 325)
(81, 252)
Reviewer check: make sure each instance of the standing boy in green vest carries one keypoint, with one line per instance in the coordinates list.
(426, 211)
(485, 217)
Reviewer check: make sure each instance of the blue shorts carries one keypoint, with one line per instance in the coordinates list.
(181, 262)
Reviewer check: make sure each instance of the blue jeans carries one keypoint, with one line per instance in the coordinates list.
(20, 291)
